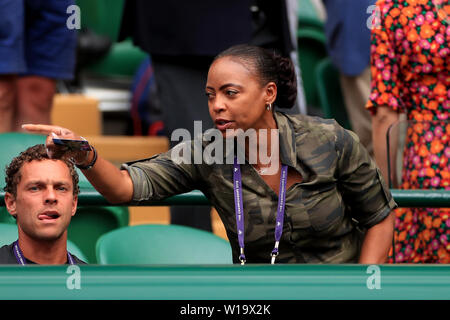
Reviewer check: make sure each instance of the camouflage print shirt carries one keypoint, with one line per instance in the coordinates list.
(341, 193)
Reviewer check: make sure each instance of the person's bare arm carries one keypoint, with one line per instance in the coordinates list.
(114, 184)
(377, 242)
(381, 122)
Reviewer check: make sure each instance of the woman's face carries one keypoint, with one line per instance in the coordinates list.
(236, 99)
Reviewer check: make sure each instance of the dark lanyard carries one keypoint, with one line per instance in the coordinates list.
(21, 259)
(239, 209)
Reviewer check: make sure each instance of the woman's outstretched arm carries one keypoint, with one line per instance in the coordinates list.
(114, 184)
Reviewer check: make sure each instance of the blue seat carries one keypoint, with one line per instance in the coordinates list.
(308, 15)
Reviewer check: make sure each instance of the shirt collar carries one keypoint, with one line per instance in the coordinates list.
(288, 152)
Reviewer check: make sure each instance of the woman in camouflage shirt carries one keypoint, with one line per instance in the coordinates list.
(325, 202)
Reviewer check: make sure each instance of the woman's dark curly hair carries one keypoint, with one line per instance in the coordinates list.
(268, 66)
(38, 153)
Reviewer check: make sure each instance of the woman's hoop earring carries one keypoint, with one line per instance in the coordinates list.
(269, 106)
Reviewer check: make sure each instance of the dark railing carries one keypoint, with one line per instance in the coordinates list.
(404, 198)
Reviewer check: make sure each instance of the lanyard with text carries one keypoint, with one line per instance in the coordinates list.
(239, 209)
(21, 259)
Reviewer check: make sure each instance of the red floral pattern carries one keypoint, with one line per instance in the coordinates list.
(410, 73)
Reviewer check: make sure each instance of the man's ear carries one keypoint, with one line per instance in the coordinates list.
(74, 204)
(271, 92)
(10, 202)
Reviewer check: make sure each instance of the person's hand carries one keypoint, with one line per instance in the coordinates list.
(55, 151)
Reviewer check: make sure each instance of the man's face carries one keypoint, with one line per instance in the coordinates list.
(44, 203)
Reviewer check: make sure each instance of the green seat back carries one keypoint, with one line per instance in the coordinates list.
(5, 217)
(162, 244)
(13, 143)
(9, 234)
(307, 15)
(122, 60)
(330, 93)
(311, 50)
(102, 16)
(91, 222)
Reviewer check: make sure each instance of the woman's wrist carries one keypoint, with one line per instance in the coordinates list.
(89, 161)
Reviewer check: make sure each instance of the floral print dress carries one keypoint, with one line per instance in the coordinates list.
(410, 73)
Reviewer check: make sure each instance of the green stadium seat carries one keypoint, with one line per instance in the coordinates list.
(162, 244)
(104, 18)
(5, 217)
(122, 61)
(9, 234)
(308, 16)
(311, 50)
(89, 223)
(330, 93)
(12, 144)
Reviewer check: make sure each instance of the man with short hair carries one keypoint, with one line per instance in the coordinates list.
(42, 194)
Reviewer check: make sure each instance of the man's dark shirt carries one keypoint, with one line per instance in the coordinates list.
(7, 256)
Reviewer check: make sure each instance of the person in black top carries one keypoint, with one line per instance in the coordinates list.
(7, 256)
(42, 194)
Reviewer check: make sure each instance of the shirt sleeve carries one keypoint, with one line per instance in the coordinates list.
(360, 181)
(386, 84)
(162, 176)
